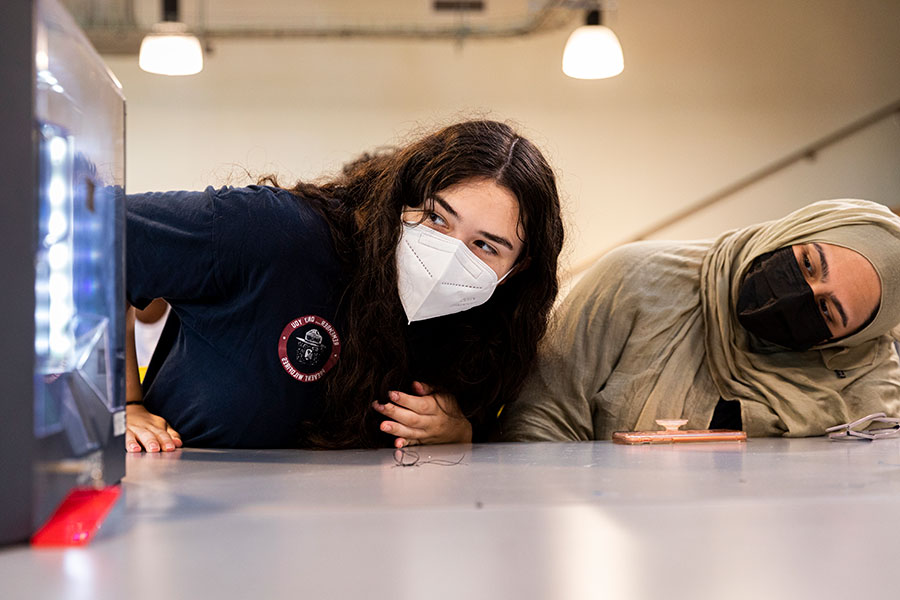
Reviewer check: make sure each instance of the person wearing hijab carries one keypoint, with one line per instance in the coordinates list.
(780, 329)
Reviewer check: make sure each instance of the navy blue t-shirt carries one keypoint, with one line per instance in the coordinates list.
(253, 279)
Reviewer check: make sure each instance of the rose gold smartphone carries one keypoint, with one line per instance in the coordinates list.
(679, 436)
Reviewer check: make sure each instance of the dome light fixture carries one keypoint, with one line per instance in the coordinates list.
(593, 51)
(170, 49)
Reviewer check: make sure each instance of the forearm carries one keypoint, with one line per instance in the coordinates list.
(133, 392)
(546, 412)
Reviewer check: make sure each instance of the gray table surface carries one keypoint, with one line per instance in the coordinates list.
(772, 518)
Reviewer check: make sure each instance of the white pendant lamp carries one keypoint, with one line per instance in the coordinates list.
(593, 51)
(170, 49)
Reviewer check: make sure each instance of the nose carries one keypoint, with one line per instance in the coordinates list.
(819, 288)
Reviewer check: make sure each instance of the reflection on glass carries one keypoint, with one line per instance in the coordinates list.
(79, 320)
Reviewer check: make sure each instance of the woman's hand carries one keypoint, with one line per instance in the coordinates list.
(424, 418)
(143, 429)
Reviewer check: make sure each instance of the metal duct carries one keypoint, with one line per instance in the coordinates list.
(117, 26)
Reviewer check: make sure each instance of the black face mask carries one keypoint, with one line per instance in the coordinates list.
(776, 304)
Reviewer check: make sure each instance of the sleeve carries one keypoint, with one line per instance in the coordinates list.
(564, 394)
(170, 247)
(877, 389)
(850, 395)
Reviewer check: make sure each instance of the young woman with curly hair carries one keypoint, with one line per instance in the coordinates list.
(402, 302)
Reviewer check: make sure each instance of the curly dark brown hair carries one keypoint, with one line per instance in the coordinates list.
(481, 355)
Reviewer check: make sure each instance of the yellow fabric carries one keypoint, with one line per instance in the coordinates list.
(141, 372)
(650, 332)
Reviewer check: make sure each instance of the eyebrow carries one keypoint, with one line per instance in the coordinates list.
(822, 261)
(840, 308)
(446, 206)
(834, 300)
(497, 239)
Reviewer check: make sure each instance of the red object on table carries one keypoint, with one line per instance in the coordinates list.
(78, 517)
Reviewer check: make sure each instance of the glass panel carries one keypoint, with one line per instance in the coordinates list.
(79, 326)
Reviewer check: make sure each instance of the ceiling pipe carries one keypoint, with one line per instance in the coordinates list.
(125, 38)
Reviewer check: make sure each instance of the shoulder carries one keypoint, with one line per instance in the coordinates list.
(655, 252)
(649, 257)
(236, 211)
(628, 255)
(262, 201)
(634, 274)
(618, 264)
(253, 194)
(267, 213)
(163, 206)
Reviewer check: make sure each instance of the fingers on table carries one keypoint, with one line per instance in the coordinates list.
(423, 405)
(152, 439)
(422, 389)
(402, 430)
(176, 437)
(401, 414)
(131, 444)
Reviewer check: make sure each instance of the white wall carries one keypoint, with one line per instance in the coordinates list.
(712, 90)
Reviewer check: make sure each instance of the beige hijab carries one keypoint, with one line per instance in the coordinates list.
(650, 332)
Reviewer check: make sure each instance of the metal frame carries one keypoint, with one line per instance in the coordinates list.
(18, 171)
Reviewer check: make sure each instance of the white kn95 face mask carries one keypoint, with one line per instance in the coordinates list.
(438, 275)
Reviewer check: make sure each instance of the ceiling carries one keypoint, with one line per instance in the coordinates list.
(117, 26)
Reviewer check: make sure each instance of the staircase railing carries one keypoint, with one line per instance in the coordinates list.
(807, 152)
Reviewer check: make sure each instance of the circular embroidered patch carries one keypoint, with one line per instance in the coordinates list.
(308, 347)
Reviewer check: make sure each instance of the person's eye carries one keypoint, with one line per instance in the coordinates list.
(483, 245)
(823, 306)
(437, 219)
(807, 264)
